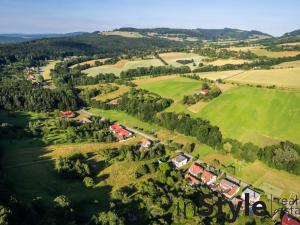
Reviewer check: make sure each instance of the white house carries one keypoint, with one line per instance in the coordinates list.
(180, 160)
(253, 195)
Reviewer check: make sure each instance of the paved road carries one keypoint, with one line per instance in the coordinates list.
(148, 136)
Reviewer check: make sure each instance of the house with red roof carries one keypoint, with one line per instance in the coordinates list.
(67, 114)
(196, 169)
(208, 177)
(193, 181)
(204, 91)
(120, 132)
(288, 219)
(229, 188)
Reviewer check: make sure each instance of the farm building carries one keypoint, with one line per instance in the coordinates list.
(114, 102)
(67, 114)
(180, 161)
(253, 195)
(120, 132)
(85, 120)
(204, 91)
(208, 177)
(196, 169)
(193, 181)
(237, 200)
(145, 143)
(229, 188)
(289, 220)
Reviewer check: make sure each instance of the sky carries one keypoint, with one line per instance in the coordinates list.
(62, 16)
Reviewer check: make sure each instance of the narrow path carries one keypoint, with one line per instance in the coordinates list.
(148, 136)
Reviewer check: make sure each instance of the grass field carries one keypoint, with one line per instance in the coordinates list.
(278, 183)
(111, 95)
(174, 87)
(90, 62)
(122, 65)
(46, 69)
(259, 115)
(288, 78)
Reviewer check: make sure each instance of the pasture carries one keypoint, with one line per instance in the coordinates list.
(262, 116)
(122, 65)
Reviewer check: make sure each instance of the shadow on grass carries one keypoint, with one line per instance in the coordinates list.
(29, 173)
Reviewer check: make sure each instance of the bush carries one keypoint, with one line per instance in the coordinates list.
(88, 182)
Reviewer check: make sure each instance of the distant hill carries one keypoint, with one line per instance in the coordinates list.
(17, 38)
(197, 34)
(292, 33)
(86, 44)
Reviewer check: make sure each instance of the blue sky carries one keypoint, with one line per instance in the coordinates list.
(60, 16)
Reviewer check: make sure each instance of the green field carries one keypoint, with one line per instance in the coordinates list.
(259, 115)
(174, 88)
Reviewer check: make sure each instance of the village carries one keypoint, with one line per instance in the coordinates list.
(194, 171)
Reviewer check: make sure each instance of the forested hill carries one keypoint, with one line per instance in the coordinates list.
(201, 34)
(86, 44)
(16, 38)
(292, 33)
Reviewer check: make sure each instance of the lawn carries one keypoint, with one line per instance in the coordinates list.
(123, 65)
(262, 116)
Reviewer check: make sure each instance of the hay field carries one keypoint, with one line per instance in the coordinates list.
(262, 116)
(114, 94)
(292, 64)
(220, 74)
(288, 78)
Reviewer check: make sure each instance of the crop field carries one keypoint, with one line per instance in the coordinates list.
(262, 116)
(122, 65)
(122, 34)
(220, 75)
(260, 51)
(288, 78)
(292, 64)
(172, 57)
(221, 62)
